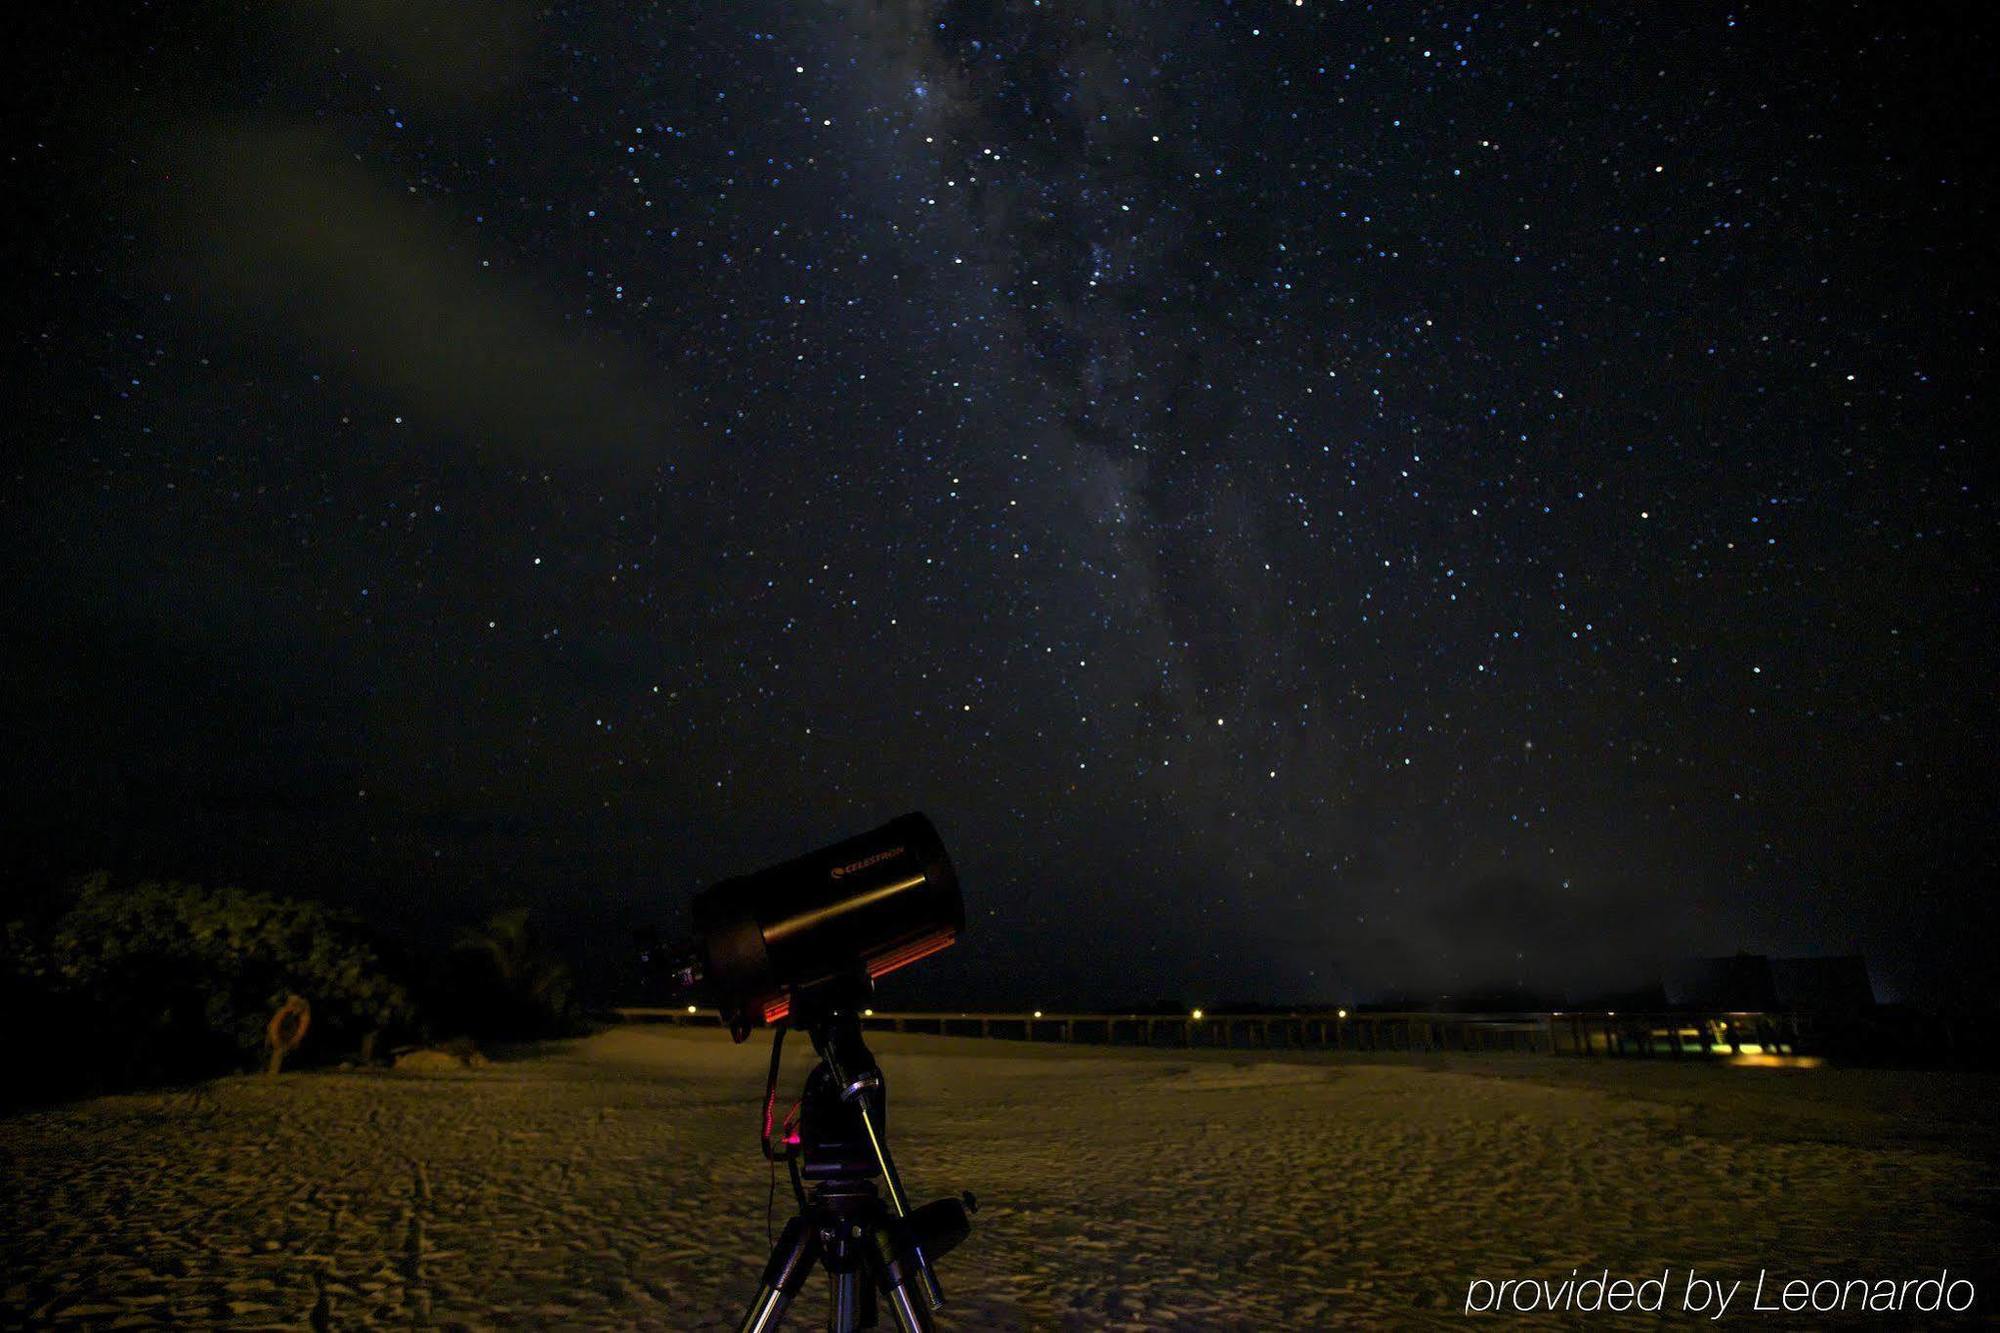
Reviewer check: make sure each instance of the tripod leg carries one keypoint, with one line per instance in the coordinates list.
(791, 1259)
(895, 1274)
(912, 1315)
(844, 1315)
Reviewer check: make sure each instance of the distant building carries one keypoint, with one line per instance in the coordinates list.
(1739, 983)
(1754, 983)
(1823, 985)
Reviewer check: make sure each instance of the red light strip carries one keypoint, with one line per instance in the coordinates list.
(910, 953)
(776, 1011)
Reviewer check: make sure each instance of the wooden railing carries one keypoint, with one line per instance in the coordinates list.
(1569, 1032)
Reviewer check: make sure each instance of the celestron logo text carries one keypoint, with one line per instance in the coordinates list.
(866, 861)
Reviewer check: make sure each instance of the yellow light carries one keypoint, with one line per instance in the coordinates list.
(1038, 1013)
(868, 1013)
(690, 1008)
(1197, 1013)
(1766, 1061)
(1343, 1013)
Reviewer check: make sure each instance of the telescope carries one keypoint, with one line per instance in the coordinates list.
(801, 944)
(861, 908)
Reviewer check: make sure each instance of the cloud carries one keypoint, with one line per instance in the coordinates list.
(281, 228)
(473, 54)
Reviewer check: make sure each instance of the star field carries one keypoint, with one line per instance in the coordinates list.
(1315, 500)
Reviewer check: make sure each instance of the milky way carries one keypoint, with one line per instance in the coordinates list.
(1317, 501)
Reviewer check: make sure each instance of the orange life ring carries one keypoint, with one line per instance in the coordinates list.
(288, 1028)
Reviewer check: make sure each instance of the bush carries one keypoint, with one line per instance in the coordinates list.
(167, 981)
(502, 981)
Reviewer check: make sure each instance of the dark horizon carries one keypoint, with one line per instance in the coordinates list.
(1311, 501)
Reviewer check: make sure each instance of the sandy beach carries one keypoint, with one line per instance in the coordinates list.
(615, 1182)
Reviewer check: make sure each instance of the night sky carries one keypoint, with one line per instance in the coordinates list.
(1318, 501)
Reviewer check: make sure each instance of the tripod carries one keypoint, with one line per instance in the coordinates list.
(839, 1152)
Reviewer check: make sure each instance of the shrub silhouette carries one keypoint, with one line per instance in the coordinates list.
(502, 980)
(163, 981)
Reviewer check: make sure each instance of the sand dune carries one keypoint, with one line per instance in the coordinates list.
(615, 1182)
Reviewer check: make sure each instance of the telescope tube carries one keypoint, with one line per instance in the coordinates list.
(877, 901)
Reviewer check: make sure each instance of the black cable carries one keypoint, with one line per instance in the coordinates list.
(770, 1109)
(771, 1088)
(790, 1155)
